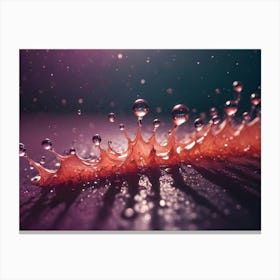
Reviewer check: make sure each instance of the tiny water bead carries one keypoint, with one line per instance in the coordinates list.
(79, 112)
(255, 99)
(231, 107)
(22, 150)
(47, 144)
(169, 90)
(140, 108)
(111, 117)
(213, 111)
(42, 160)
(156, 123)
(72, 151)
(245, 117)
(121, 127)
(216, 119)
(96, 139)
(237, 86)
(198, 124)
(180, 114)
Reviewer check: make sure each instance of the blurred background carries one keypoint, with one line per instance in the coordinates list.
(98, 81)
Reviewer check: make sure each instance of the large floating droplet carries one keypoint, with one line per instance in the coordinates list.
(255, 99)
(231, 107)
(180, 114)
(96, 139)
(237, 86)
(47, 144)
(111, 117)
(198, 124)
(140, 108)
(22, 150)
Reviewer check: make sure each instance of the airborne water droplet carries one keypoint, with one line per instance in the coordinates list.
(47, 144)
(255, 99)
(237, 86)
(140, 108)
(180, 114)
(156, 123)
(22, 150)
(245, 117)
(198, 124)
(121, 127)
(79, 112)
(169, 90)
(111, 117)
(72, 151)
(216, 119)
(231, 107)
(213, 111)
(96, 139)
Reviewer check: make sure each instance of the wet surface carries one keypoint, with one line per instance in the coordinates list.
(206, 194)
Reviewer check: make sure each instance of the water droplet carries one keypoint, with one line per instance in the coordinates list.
(79, 112)
(169, 90)
(22, 150)
(31, 167)
(246, 117)
(120, 56)
(158, 110)
(121, 127)
(142, 81)
(36, 179)
(216, 120)
(140, 108)
(80, 100)
(213, 111)
(198, 124)
(156, 123)
(231, 107)
(72, 151)
(96, 139)
(237, 86)
(42, 160)
(218, 91)
(111, 117)
(180, 114)
(47, 144)
(255, 99)
(128, 213)
(162, 203)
